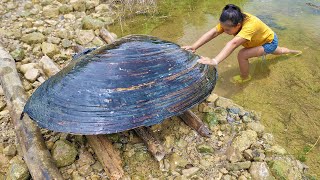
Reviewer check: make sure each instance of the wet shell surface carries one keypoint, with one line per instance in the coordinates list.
(136, 81)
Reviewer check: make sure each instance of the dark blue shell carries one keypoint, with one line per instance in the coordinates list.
(136, 81)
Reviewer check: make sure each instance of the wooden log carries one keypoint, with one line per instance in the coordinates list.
(106, 36)
(107, 155)
(34, 150)
(153, 144)
(195, 123)
(313, 6)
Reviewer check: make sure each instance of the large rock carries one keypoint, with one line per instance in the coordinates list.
(78, 5)
(32, 74)
(49, 49)
(245, 140)
(25, 67)
(63, 33)
(102, 8)
(260, 171)
(212, 98)
(85, 158)
(90, 4)
(233, 155)
(18, 54)
(63, 153)
(257, 127)
(97, 166)
(33, 38)
(10, 150)
(268, 138)
(190, 172)
(91, 23)
(76, 176)
(85, 36)
(176, 160)
(66, 43)
(85, 170)
(54, 40)
(18, 170)
(285, 168)
(276, 149)
(224, 102)
(65, 9)
(211, 119)
(97, 41)
(50, 12)
(238, 166)
(48, 66)
(107, 20)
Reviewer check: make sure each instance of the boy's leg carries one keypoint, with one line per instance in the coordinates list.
(284, 50)
(243, 56)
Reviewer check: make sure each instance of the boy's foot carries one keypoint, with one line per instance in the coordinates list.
(238, 79)
(294, 53)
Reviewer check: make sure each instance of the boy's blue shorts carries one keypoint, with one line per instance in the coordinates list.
(271, 47)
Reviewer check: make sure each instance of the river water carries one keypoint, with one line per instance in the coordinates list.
(285, 89)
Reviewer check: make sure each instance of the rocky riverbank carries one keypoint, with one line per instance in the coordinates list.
(238, 149)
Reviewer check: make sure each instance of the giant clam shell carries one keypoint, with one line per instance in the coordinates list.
(135, 81)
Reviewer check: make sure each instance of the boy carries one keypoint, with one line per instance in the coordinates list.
(257, 38)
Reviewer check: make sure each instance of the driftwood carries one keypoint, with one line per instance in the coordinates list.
(101, 145)
(34, 150)
(107, 155)
(106, 36)
(153, 144)
(195, 123)
(313, 6)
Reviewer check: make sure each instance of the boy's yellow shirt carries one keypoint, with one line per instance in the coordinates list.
(254, 30)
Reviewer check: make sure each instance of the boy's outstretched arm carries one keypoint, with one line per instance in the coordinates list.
(203, 39)
(225, 52)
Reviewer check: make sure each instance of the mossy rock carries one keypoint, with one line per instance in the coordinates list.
(64, 153)
(203, 148)
(285, 168)
(211, 119)
(279, 169)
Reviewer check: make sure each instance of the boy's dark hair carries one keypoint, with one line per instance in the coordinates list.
(232, 13)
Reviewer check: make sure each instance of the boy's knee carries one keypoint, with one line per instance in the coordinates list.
(241, 54)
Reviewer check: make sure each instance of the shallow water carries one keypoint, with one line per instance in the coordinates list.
(285, 89)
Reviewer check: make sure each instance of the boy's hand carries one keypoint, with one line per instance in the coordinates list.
(189, 48)
(206, 60)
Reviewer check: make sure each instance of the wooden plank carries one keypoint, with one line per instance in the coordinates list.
(34, 150)
(107, 155)
(106, 36)
(195, 123)
(153, 144)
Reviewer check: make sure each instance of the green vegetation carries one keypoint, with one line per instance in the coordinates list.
(174, 12)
